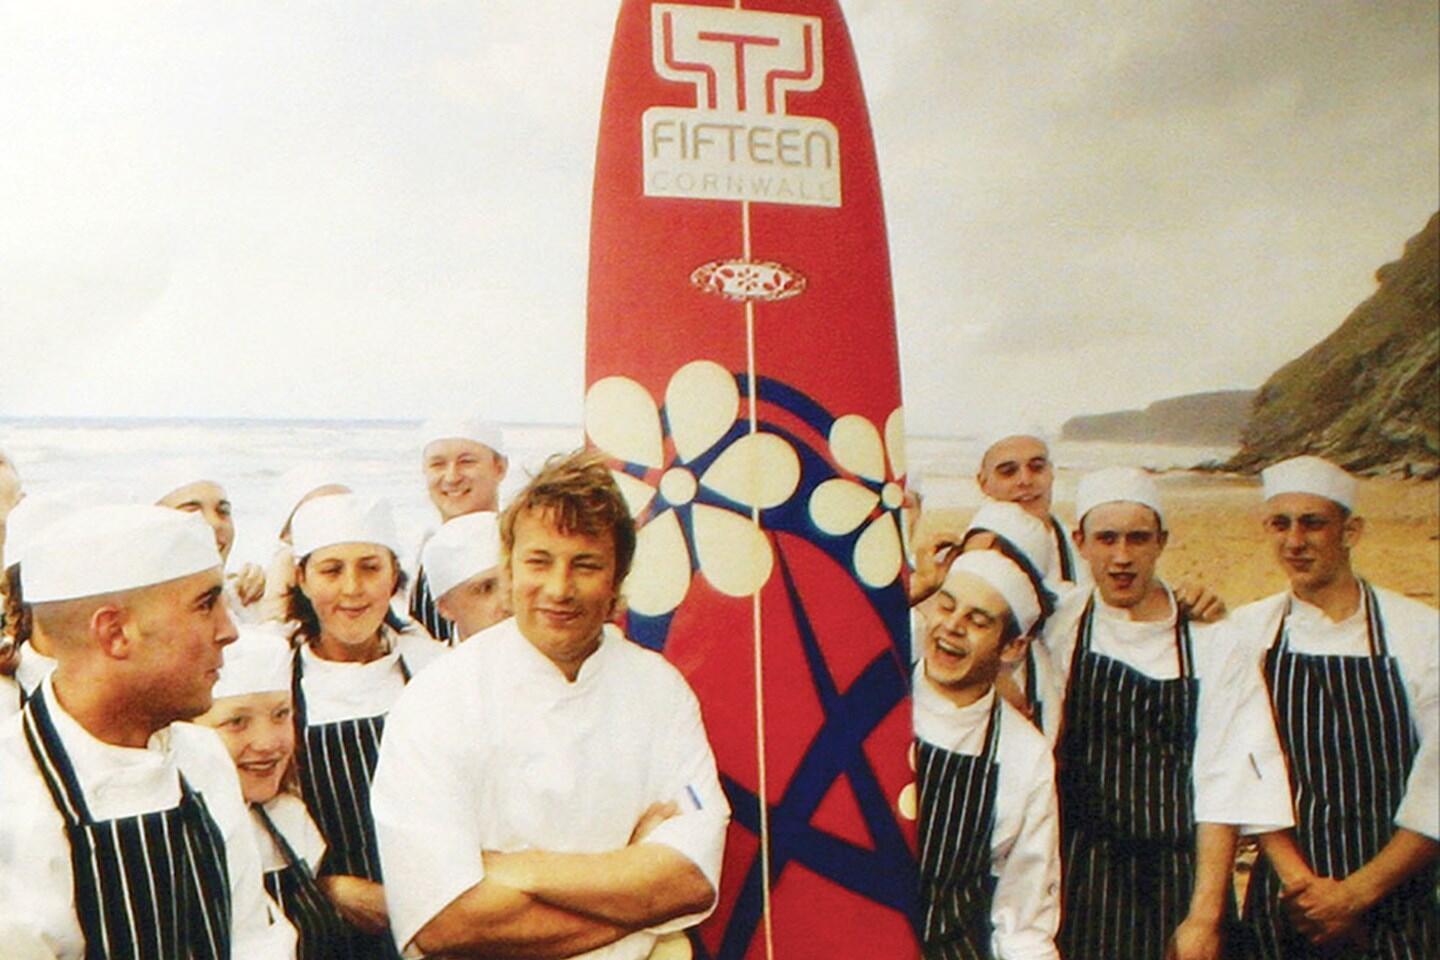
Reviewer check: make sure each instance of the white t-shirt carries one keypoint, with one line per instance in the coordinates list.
(498, 751)
(36, 881)
(1024, 844)
(1230, 713)
(1412, 635)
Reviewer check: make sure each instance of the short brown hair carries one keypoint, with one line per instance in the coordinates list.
(578, 493)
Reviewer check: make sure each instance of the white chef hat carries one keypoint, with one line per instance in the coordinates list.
(1006, 579)
(1116, 485)
(1313, 475)
(342, 518)
(300, 481)
(28, 521)
(165, 478)
(1028, 533)
(1005, 431)
(106, 549)
(463, 547)
(257, 662)
(461, 428)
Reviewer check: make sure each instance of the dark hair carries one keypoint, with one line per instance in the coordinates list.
(305, 622)
(578, 494)
(17, 617)
(1046, 598)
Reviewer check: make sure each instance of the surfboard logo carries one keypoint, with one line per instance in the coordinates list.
(748, 280)
(738, 142)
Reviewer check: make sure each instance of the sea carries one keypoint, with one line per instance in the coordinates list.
(114, 459)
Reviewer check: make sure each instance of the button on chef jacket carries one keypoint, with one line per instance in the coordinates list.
(1025, 841)
(36, 882)
(1412, 635)
(1232, 718)
(498, 751)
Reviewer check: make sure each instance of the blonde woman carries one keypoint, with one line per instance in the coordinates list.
(253, 714)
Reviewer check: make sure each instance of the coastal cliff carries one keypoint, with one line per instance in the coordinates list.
(1201, 419)
(1368, 395)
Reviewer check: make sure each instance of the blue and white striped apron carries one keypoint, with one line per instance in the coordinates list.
(336, 762)
(321, 931)
(1346, 728)
(1126, 802)
(957, 820)
(155, 886)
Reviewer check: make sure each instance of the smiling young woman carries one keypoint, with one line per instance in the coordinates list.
(352, 660)
(253, 714)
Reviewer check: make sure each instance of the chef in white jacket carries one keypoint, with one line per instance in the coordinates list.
(551, 791)
(1350, 671)
(988, 824)
(123, 832)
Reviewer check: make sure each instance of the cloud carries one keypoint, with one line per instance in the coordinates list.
(364, 209)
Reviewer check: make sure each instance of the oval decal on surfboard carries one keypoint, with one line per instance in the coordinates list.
(758, 437)
(748, 280)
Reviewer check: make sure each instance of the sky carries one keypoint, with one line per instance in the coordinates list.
(364, 209)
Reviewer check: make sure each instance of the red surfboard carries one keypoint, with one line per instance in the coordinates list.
(743, 379)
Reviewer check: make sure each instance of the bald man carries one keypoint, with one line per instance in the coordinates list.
(123, 832)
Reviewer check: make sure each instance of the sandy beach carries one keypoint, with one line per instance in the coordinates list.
(1216, 537)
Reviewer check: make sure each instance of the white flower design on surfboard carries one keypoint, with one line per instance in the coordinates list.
(872, 499)
(693, 504)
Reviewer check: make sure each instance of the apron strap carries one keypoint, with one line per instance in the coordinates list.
(1374, 622)
(992, 731)
(288, 851)
(1062, 547)
(54, 762)
(297, 705)
(1184, 647)
(1082, 645)
(1032, 685)
(1281, 641)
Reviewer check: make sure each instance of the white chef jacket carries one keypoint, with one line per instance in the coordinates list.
(289, 815)
(338, 690)
(498, 751)
(1233, 729)
(32, 668)
(1025, 842)
(1412, 636)
(36, 880)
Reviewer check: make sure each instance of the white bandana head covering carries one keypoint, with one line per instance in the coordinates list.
(342, 518)
(1028, 533)
(461, 428)
(1006, 579)
(1313, 475)
(464, 547)
(257, 662)
(29, 520)
(1117, 485)
(106, 549)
